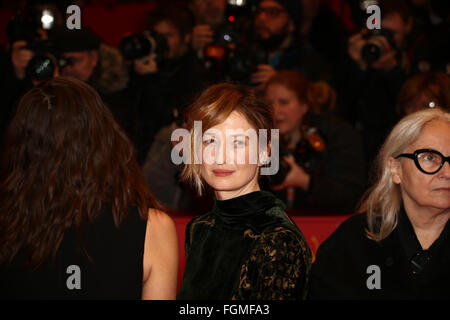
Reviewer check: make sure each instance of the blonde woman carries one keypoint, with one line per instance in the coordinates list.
(398, 247)
(246, 247)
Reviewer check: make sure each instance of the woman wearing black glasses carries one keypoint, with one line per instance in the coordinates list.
(399, 247)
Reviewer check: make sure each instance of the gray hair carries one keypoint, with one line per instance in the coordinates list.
(383, 200)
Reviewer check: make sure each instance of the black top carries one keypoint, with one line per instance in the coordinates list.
(112, 268)
(245, 248)
(342, 269)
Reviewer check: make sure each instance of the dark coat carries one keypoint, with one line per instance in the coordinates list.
(342, 267)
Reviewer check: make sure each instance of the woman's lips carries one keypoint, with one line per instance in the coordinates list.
(222, 173)
(442, 189)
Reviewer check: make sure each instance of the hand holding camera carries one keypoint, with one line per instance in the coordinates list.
(374, 49)
(297, 177)
(147, 50)
(145, 66)
(202, 35)
(262, 75)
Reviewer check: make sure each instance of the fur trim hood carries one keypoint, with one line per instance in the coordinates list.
(112, 73)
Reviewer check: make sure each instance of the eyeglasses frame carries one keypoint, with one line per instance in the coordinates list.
(415, 157)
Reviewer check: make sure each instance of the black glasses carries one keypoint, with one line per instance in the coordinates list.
(428, 161)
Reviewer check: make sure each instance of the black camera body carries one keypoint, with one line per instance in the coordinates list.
(378, 41)
(228, 56)
(308, 154)
(140, 45)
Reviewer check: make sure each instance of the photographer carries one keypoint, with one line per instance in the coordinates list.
(372, 75)
(321, 157)
(28, 46)
(164, 78)
(83, 56)
(275, 33)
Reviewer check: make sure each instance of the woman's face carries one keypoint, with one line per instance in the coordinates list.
(289, 111)
(420, 190)
(231, 172)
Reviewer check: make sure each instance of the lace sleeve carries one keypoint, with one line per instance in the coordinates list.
(277, 269)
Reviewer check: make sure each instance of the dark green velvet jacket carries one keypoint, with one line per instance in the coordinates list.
(245, 248)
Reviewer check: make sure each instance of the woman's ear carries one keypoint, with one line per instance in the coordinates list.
(395, 168)
(304, 108)
(264, 156)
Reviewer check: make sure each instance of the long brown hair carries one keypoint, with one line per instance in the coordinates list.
(64, 158)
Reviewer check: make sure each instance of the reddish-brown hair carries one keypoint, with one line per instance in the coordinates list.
(213, 107)
(433, 85)
(319, 96)
(65, 157)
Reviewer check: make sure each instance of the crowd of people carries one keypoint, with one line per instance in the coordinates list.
(87, 152)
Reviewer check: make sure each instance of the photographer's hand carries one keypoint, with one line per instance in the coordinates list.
(146, 66)
(355, 45)
(296, 177)
(20, 58)
(202, 35)
(387, 61)
(262, 75)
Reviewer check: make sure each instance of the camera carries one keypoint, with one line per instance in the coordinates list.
(140, 45)
(306, 154)
(226, 55)
(242, 62)
(377, 43)
(34, 26)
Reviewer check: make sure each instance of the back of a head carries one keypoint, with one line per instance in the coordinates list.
(430, 89)
(64, 158)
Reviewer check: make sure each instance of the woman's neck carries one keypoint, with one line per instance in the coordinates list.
(225, 195)
(427, 223)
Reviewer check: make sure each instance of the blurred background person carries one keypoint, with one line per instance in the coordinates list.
(275, 33)
(323, 161)
(164, 79)
(322, 29)
(73, 195)
(425, 90)
(372, 74)
(30, 56)
(209, 15)
(397, 247)
(86, 58)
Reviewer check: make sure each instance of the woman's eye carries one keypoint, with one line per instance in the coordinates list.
(209, 141)
(239, 143)
(431, 157)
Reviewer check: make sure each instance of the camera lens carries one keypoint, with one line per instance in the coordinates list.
(135, 46)
(41, 67)
(371, 52)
